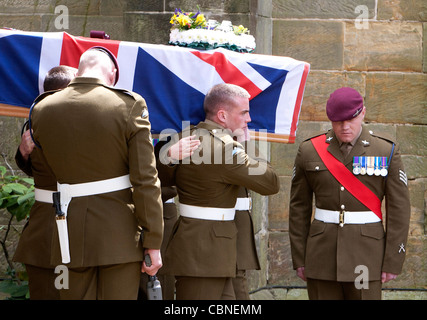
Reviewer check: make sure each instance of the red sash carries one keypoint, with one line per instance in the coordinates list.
(346, 178)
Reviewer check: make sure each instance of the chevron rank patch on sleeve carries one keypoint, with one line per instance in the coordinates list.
(403, 177)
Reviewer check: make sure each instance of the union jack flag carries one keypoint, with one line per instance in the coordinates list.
(173, 80)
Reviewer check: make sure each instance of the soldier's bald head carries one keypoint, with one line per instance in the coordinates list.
(97, 63)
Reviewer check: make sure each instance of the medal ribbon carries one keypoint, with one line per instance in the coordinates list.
(346, 178)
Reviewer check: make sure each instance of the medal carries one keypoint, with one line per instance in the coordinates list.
(370, 165)
(356, 165)
(377, 170)
(363, 165)
(384, 170)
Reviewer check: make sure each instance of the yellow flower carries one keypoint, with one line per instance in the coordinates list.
(200, 20)
(240, 29)
(183, 20)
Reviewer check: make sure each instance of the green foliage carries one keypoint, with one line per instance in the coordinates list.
(17, 198)
(16, 287)
(16, 194)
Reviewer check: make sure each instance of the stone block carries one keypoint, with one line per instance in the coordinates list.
(259, 209)
(82, 25)
(340, 9)
(404, 295)
(26, 6)
(320, 43)
(402, 10)
(283, 157)
(146, 5)
(10, 131)
(237, 6)
(396, 97)
(383, 46)
(280, 261)
(147, 28)
(415, 166)
(21, 22)
(112, 7)
(264, 8)
(263, 35)
(385, 130)
(425, 47)
(258, 278)
(262, 295)
(278, 207)
(412, 139)
(319, 86)
(206, 6)
(417, 194)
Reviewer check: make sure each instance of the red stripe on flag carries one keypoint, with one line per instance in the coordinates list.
(292, 134)
(73, 47)
(228, 72)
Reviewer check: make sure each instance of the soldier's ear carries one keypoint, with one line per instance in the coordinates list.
(222, 115)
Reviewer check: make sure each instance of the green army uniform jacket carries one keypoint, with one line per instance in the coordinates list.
(35, 243)
(91, 132)
(211, 178)
(329, 251)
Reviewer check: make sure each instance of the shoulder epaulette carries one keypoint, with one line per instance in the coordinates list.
(134, 95)
(44, 95)
(222, 135)
(314, 136)
(382, 136)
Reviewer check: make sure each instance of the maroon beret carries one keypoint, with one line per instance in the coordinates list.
(112, 57)
(344, 104)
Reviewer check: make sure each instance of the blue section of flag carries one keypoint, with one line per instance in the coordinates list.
(169, 99)
(263, 115)
(19, 66)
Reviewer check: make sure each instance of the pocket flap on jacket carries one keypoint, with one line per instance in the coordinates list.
(225, 230)
(375, 231)
(314, 166)
(317, 227)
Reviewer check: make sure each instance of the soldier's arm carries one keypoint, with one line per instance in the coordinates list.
(253, 173)
(300, 210)
(143, 176)
(398, 212)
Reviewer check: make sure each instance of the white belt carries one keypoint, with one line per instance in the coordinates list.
(343, 217)
(69, 191)
(43, 195)
(243, 204)
(206, 213)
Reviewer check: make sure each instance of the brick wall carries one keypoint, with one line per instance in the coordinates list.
(376, 46)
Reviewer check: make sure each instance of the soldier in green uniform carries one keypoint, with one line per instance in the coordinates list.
(34, 246)
(97, 141)
(344, 252)
(202, 250)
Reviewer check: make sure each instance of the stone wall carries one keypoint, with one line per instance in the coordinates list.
(378, 47)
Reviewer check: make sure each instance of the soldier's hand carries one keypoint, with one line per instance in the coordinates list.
(184, 148)
(386, 277)
(301, 273)
(27, 145)
(156, 262)
(242, 135)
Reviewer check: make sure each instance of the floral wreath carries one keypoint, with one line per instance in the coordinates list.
(192, 30)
